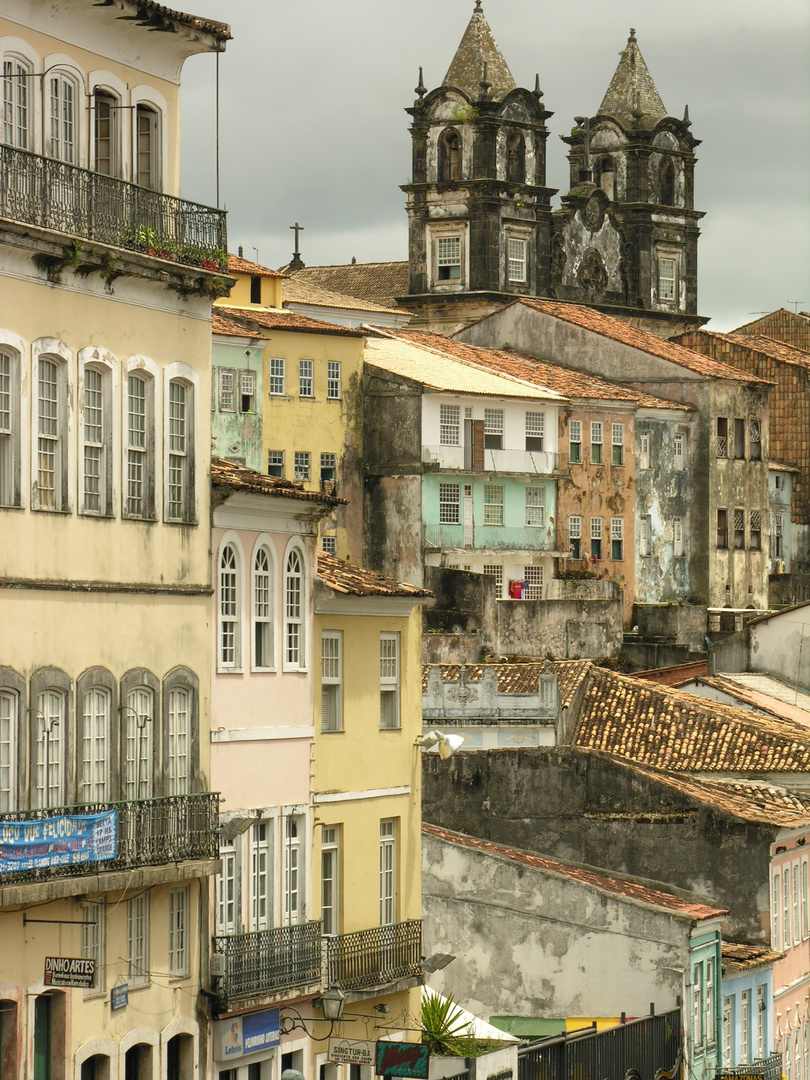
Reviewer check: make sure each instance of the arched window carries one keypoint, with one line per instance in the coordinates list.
(95, 745)
(263, 608)
(294, 600)
(515, 158)
(666, 183)
(449, 155)
(607, 176)
(230, 594)
(138, 730)
(9, 720)
(50, 471)
(179, 737)
(96, 429)
(50, 719)
(180, 452)
(10, 491)
(62, 112)
(16, 113)
(139, 450)
(106, 138)
(147, 148)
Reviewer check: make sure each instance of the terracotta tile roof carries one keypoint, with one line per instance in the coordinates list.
(155, 16)
(617, 330)
(345, 577)
(668, 729)
(623, 887)
(764, 693)
(298, 291)
(222, 325)
(229, 474)
(746, 957)
(380, 282)
(758, 343)
(519, 678)
(572, 384)
(238, 265)
(271, 319)
(442, 371)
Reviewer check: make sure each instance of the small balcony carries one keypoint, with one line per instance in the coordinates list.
(768, 1069)
(52, 195)
(149, 832)
(488, 538)
(377, 957)
(501, 462)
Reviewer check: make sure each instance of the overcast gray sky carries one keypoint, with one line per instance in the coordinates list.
(312, 126)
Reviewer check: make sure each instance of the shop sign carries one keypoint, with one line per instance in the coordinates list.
(76, 972)
(403, 1059)
(58, 841)
(248, 1034)
(352, 1052)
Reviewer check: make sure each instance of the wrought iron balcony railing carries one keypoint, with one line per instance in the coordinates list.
(50, 194)
(266, 961)
(149, 832)
(375, 957)
(768, 1069)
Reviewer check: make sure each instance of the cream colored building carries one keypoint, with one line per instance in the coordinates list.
(107, 824)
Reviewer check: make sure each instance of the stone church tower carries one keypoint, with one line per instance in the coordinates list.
(481, 227)
(478, 205)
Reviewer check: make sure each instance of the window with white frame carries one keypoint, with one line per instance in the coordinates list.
(329, 545)
(797, 1058)
(745, 1027)
(294, 597)
(97, 441)
(806, 1048)
(677, 537)
(9, 429)
(575, 536)
(645, 535)
(330, 884)
(328, 471)
(761, 1022)
(51, 721)
(667, 278)
(493, 504)
(617, 539)
(389, 680)
(533, 579)
(50, 484)
(106, 138)
(643, 441)
(139, 455)
(332, 680)
(805, 925)
(596, 538)
(262, 609)
(261, 871)
(302, 465)
(796, 910)
(275, 463)
(388, 871)
(179, 502)
(575, 442)
(93, 941)
(230, 652)
(778, 533)
(138, 940)
(334, 384)
(776, 910)
(617, 444)
(493, 429)
(535, 430)
(596, 442)
(697, 1004)
(63, 133)
(293, 906)
(449, 425)
(516, 259)
(710, 1032)
(786, 927)
(449, 504)
(306, 385)
(178, 708)
(448, 258)
(139, 722)
(679, 451)
(495, 570)
(227, 390)
(147, 148)
(247, 391)
(16, 114)
(8, 750)
(178, 932)
(536, 506)
(728, 1029)
(276, 376)
(227, 889)
(95, 745)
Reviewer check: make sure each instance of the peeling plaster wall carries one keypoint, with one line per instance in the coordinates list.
(583, 807)
(236, 428)
(531, 943)
(778, 646)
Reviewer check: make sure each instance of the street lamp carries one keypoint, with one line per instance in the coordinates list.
(447, 744)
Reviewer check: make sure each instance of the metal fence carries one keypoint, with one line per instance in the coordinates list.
(375, 957)
(150, 832)
(646, 1046)
(264, 961)
(767, 1069)
(89, 206)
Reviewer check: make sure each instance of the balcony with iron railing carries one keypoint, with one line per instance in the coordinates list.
(488, 538)
(88, 206)
(500, 462)
(137, 834)
(770, 1068)
(265, 963)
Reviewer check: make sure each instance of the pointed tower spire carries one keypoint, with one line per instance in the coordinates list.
(479, 47)
(632, 90)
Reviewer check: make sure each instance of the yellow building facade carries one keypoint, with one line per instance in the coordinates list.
(108, 830)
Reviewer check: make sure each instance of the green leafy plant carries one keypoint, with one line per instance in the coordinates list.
(444, 1029)
(465, 114)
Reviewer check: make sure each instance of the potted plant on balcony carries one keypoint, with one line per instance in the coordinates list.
(454, 1046)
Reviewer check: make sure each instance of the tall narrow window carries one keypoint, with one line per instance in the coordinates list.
(596, 443)
(139, 456)
(535, 430)
(262, 609)
(643, 447)
(334, 386)
(536, 507)
(178, 932)
(247, 391)
(710, 1032)
(330, 907)
(761, 1021)
(596, 539)
(449, 147)
(97, 441)
(9, 429)
(755, 454)
(667, 269)
(276, 376)
(147, 134)
(805, 924)
(679, 451)
(226, 890)
(515, 158)
(93, 941)
(787, 936)
(95, 746)
(617, 539)
(294, 596)
(575, 536)
(617, 444)
(138, 724)
(796, 916)
(495, 570)
(179, 502)
(388, 872)
(138, 940)
(275, 463)
(677, 537)
(105, 133)
(722, 436)
(16, 77)
(449, 504)
(666, 182)
(516, 260)
(227, 390)
(449, 425)
(739, 529)
(179, 739)
(306, 378)
(50, 474)
(255, 289)
(755, 536)
(533, 579)
(62, 108)
(331, 680)
(745, 1027)
(493, 429)
(575, 442)
(739, 439)
(229, 596)
(302, 465)
(448, 258)
(722, 528)
(8, 750)
(389, 680)
(776, 911)
(261, 870)
(51, 737)
(493, 504)
(292, 871)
